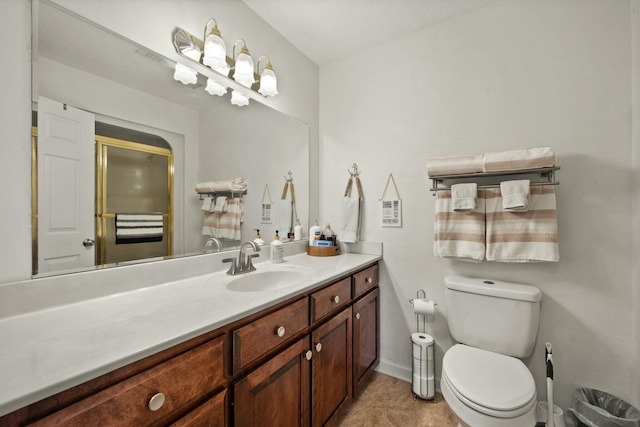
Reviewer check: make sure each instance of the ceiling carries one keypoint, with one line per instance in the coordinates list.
(328, 30)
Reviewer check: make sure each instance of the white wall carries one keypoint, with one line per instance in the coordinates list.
(635, 148)
(518, 73)
(15, 131)
(297, 84)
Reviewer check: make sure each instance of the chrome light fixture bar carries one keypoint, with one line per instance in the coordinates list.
(211, 53)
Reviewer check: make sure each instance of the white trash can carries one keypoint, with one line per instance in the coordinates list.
(423, 379)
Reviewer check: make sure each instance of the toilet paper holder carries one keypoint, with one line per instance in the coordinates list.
(421, 320)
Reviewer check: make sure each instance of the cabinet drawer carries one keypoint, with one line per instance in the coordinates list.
(212, 413)
(330, 298)
(365, 280)
(260, 337)
(181, 380)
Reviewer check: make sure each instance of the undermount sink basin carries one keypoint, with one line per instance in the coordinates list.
(266, 280)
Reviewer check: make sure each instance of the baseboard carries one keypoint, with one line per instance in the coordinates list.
(402, 373)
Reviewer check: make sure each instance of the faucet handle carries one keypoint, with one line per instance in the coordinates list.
(232, 270)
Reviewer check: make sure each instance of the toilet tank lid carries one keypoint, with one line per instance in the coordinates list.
(494, 288)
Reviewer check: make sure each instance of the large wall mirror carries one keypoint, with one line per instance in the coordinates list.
(160, 133)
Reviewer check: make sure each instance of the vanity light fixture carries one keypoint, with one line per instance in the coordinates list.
(243, 72)
(239, 99)
(268, 80)
(215, 88)
(185, 75)
(215, 51)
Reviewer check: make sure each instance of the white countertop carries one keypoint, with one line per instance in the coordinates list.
(45, 351)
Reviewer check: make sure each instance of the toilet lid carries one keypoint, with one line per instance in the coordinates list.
(489, 380)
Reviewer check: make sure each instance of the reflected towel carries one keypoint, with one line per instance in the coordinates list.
(523, 236)
(139, 227)
(207, 204)
(235, 185)
(454, 165)
(225, 225)
(285, 217)
(515, 195)
(463, 197)
(220, 205)
(350, 214)
(526, 158)
(459, 235)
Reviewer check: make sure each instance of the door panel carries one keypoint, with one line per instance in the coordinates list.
(66, 166)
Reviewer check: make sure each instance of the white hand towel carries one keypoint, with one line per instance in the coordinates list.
(349, 220)
(207, 204)
(220, 205)
(285, 216)
(464, 197)
(515, 195)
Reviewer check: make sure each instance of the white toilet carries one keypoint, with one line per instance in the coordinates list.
(483, 381)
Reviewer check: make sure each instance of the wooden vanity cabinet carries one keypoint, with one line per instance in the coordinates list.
(298, 363)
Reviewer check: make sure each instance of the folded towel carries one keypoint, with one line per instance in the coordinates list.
(220, 205)
(349, 220)
(526, 158)
(235, 185)
(463, 197)
(225, 225)
(454, 165)
(207, 204)
(523, 236)
(458, 235)
(515, 195)
(139, 228)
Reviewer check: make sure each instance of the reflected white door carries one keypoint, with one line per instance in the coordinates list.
(66, 174)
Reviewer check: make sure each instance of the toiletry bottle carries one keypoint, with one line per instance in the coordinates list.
(258, 240)
(297, 231)
(277, 250)
(314, 232)
(328, 233)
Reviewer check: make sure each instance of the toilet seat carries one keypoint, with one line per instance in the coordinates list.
(490, 383)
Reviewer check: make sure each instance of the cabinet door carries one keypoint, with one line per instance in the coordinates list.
(277, 393)
(366, 339)
(331, 369)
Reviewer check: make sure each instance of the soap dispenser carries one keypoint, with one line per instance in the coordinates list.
(277, 250)
(258, 240)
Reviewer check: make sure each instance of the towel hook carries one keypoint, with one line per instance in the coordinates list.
(289, 177)
(355, 172)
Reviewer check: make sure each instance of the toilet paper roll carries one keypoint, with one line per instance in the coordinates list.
(424, 307)
(422, 339)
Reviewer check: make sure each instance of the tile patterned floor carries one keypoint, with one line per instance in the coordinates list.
(387, 401)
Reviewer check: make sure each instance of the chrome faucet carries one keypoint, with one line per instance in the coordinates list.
(213, 242)
(244, 264)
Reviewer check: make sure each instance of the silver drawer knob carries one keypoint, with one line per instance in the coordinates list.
(156, 401)
(336, 299)
(308, 354)
(357, 316)
(319, 347)
(281, 331)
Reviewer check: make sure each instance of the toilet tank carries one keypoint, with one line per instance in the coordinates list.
(497, 316)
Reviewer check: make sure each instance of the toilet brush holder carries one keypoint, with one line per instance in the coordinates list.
(558, 414)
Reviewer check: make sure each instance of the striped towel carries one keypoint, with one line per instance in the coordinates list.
(233, 185)
(454, 165)
(459, 235)
(523, 236)
(139, 227)
(225, 225)
(526, 158)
